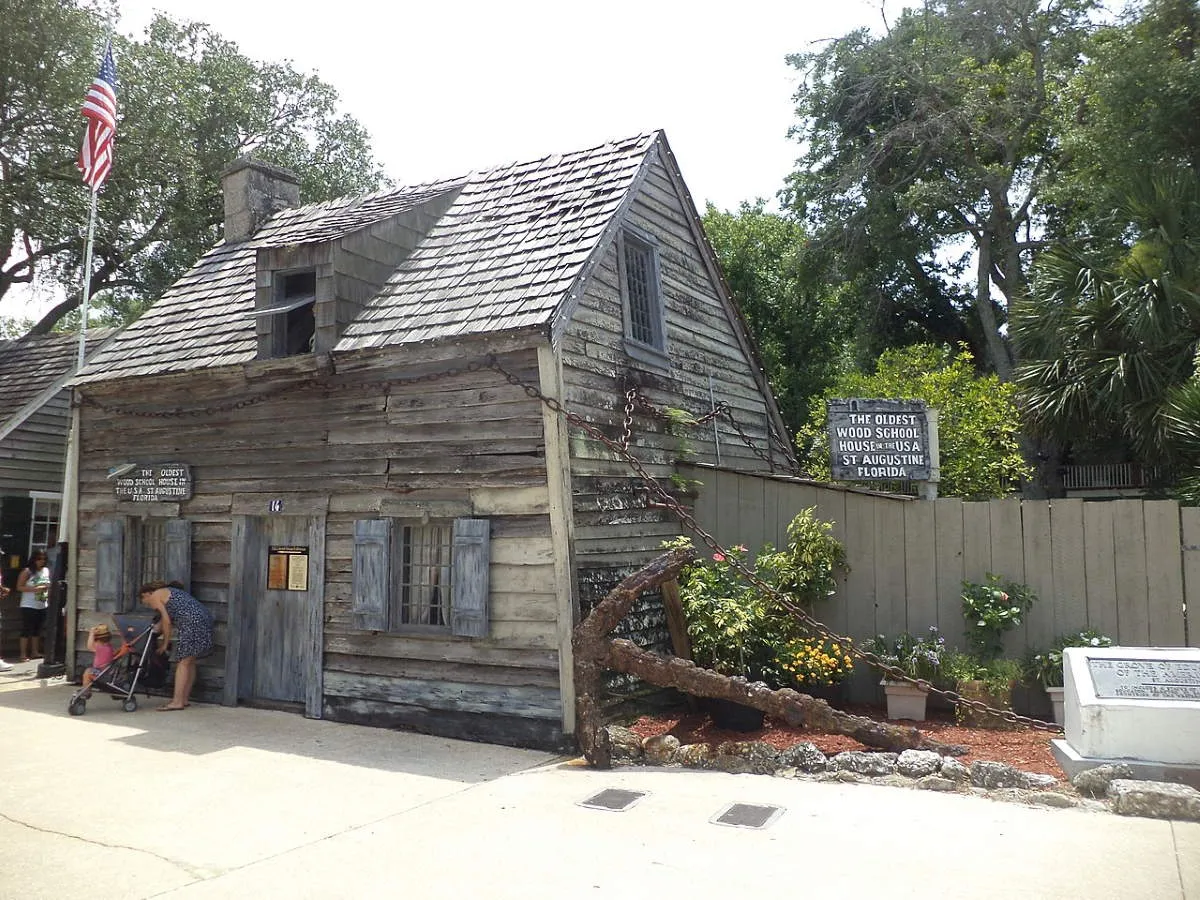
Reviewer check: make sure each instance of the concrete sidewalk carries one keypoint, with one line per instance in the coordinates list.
(217, 802)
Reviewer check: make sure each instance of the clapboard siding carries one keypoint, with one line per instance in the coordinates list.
(465, 444)
(33, 455)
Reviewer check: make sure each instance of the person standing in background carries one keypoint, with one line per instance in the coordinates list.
(4, 592)
(34, 585)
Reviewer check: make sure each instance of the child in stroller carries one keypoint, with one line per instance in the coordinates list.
(118, 670)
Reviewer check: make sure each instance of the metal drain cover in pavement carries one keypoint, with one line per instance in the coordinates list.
(613, 799)
(747, 815)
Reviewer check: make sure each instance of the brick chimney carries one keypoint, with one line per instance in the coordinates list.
(253, 191)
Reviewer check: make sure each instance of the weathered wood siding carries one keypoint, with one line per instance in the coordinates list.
(457, 445)
(617, 524)
(33, 455)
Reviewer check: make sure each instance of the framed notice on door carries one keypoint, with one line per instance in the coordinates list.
(287, 569)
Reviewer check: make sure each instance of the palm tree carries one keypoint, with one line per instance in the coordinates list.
(1109, 344)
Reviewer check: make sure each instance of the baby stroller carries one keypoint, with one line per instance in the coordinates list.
(133, 662)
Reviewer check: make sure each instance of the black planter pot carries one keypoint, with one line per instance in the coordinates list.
(833, 694)
(734, 716)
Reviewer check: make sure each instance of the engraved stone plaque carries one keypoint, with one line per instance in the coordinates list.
(1145, 679)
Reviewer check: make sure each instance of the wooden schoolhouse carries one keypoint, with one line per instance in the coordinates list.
(332, 430)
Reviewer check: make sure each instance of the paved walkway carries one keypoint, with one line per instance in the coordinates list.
(215, 802)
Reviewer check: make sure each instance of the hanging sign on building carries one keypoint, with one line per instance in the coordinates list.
(153, 483)
(879, 440)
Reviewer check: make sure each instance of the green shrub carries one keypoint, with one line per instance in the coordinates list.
(918, 657)
(1045, 667)
(737, 629)
(993, 608)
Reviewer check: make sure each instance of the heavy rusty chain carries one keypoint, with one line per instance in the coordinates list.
(631, 397)
(892, 672)
(320, 383)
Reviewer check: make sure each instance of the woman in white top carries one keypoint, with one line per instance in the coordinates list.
(34, 585)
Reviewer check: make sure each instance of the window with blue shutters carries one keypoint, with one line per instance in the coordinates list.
(132, 550)
(415, 576)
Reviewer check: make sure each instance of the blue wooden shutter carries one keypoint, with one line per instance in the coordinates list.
(472, 557)
(110, 565)
(177, 565)
(372, 573)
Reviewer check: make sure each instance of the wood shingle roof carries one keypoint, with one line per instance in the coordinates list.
(504, 256)
(33, 363)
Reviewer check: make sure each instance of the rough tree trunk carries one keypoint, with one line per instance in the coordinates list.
(596, 651)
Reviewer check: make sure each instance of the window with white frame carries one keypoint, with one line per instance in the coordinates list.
(415, 575)
(43, 530)
(641, 290)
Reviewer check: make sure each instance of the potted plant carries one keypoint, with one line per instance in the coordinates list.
(737, 629)
(1046, 667)
(918, 658)
(992, 608)
(987, 681)
(815, 666)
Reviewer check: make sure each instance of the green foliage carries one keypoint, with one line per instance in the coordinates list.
(994, 678)
(190, 103)
(796, 313)
(918, 657)
(977, 418)
(807, 568)
(1110, 344)
(737, 629)
(1045, 667)
(992, 609)
(931, 144)
(1132, 108)
(999, 676)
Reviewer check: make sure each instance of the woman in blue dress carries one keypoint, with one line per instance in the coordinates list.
(186, 621)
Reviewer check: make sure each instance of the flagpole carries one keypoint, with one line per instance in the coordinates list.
(67, 526)
(87, 280)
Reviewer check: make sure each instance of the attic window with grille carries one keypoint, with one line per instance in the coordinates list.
(292, 316)
(641, 295)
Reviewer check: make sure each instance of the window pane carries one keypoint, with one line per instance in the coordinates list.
(425, 574)
(154, 550)
(639, 283)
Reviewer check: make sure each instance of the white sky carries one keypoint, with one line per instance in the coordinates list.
(447, 87)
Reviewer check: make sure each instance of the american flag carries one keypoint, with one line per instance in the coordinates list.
(100, 109)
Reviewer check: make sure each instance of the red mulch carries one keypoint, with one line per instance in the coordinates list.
(1023, 748)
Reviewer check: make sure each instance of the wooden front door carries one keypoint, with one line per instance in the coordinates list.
(276, 591)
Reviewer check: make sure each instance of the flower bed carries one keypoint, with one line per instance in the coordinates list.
(1022, 748)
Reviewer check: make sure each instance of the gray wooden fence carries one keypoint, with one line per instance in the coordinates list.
(1126, 568)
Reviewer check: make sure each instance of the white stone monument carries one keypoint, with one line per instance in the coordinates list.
(1139, 706)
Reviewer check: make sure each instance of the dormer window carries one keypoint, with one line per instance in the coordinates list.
(294, 335)
(641, 293)
(291, 317)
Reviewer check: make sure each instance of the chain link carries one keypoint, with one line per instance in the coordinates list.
(631, 398)
(321, 383)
